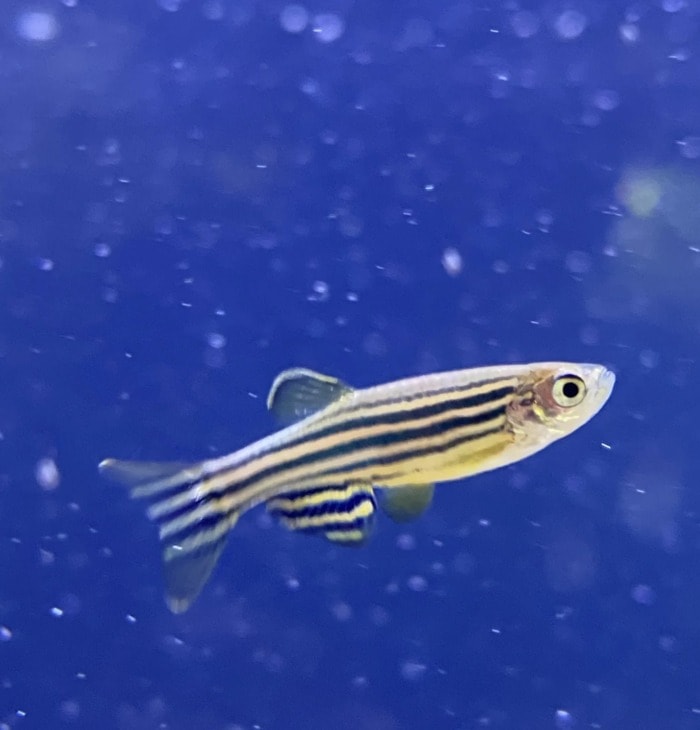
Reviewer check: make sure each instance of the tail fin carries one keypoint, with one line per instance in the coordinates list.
(193, 528)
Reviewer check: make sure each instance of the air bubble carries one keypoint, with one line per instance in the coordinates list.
(102, 250)
(294, 18)
(341, 611)
(328, 27)
(525, 24)
(649, 359)
(216, 341)
(629, 32)
(606, 100)
(171, 6)
(406, 542)
(47, 474)
(413, 671)
(417, 583)
(563, 720)
(643, 594)
(578, 263)
(37, 25)
(213, 10)
(570, 24)
(452, 261)
(690, 147)
(320, 292)
(673, 6)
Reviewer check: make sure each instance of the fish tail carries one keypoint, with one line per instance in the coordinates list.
(193, 525)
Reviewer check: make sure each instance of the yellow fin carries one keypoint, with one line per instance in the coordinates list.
(297, 393)
(404, 504)
(193, 529)
(343, 515)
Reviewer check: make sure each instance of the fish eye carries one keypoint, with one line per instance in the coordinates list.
(568, 391)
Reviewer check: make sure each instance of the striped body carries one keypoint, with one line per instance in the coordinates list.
(318, 474)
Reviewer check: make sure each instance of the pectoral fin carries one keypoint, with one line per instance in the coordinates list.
(344, 515)
(297, 393)
(404, 504)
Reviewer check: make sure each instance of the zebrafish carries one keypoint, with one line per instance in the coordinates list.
(319, 473)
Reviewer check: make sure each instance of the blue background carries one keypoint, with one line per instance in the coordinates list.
(197, 194)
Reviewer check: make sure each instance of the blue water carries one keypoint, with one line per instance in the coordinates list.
(197, 194)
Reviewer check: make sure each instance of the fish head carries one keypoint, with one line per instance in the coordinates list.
(555, 399)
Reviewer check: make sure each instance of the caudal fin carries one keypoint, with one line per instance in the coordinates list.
(192, 525)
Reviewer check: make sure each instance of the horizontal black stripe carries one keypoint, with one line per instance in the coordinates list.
(361, 523)
(339, 427)
(367, 443)
(201, 525)
(342, 425)
(323, 508)
(407, 397)
(410, 453)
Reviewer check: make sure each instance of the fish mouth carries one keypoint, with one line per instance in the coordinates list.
(606, 380)
(603, 381)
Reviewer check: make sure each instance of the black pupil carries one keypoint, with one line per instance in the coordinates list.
(570, 389)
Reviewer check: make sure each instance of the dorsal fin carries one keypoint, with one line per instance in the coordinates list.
(404, 504)
(298, 392)
(342, 514)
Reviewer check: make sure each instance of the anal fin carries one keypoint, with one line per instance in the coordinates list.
(344, 515)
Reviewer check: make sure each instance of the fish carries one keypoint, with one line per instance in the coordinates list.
(343, 452)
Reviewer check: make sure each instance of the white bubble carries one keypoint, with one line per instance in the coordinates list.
(649, 359)
(47, 474)
(629, 32)
(5, 633)
(341, 611)
(321, 292)
(213, 10)
(525, 24)
(563, 720)
(606, 100)
(570, 24)
(171, 6)
(452, 261)
(328, 27)
(294, 18)
(216, 341)
(69, 710)
(578, 262)
(37, 25)
(70, 3)
(413, 670)
(643, 594)
(102, 250)
(417, 583)
(405, 542)
(673, 6)
(690, 147)
(56, 612)
(417, 32)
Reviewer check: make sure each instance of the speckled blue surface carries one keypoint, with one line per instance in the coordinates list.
(197, 194)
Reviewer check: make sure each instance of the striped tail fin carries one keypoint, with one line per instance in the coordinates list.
(193, 528)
